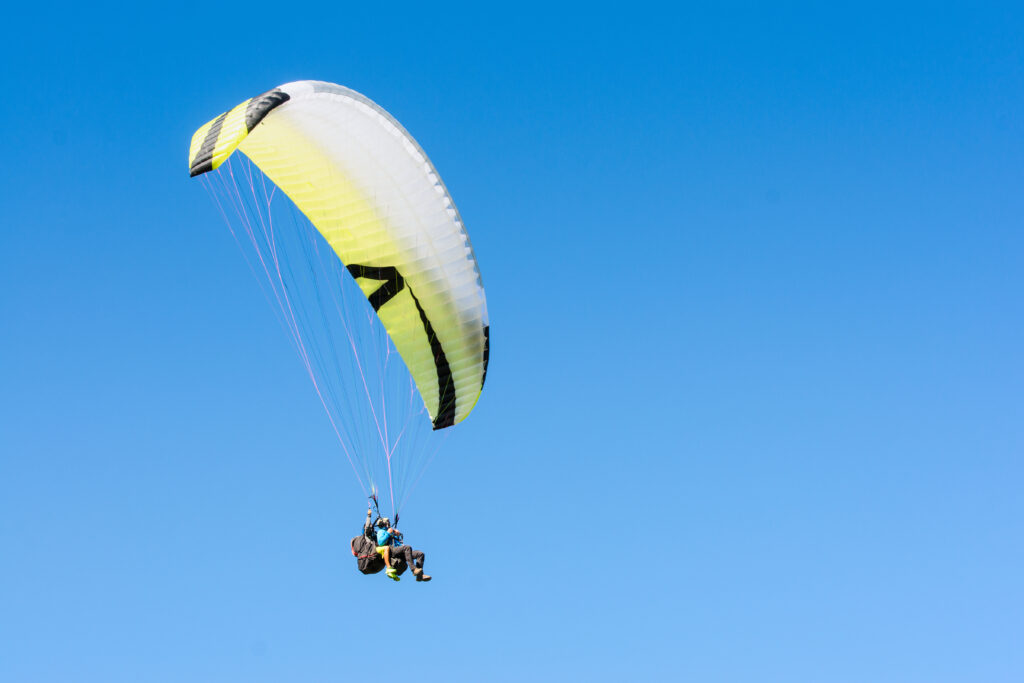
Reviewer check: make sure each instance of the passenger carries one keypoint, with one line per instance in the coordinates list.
(389, 545)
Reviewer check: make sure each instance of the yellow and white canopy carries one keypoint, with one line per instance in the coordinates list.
(373, 194)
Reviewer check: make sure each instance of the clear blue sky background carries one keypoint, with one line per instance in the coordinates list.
(754, 409)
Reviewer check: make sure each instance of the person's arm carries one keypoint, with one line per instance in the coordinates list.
(367, 525)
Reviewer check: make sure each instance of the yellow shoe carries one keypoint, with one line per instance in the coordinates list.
(393, 575)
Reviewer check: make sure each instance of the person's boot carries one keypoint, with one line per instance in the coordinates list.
(420, 576)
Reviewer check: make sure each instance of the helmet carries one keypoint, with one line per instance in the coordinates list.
(383, 522)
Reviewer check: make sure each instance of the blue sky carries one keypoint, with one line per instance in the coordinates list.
(754, 404)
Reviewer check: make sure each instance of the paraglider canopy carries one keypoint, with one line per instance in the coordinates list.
(375, 197)
(368, 262)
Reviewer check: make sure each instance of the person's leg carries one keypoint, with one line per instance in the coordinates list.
(419, 558)
(385, 552)
(403, 552)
